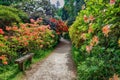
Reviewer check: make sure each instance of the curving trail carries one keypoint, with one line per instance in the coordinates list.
(57, 66)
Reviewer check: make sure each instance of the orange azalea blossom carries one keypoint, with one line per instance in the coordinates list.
(95, 39)
(86, 18)
(8, 28)
(106, 30)
(14, 28)
(91, 18)
(112, 2)
(23, 26)
(83, 36)
(4, 59)
(5, 62)
(26, 43)
(1, 31)
(2, 45)
(6, 37)
(115, 77)
(88, 48)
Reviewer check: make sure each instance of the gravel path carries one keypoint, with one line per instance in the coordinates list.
(57, 66)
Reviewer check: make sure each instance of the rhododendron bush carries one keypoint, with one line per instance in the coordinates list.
(95, 36)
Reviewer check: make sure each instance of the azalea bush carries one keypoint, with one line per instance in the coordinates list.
(19, 40)
(96, 41)
(3, 61)
(30, 36)
(4, 45)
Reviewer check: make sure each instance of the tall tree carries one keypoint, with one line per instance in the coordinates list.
(71, 9)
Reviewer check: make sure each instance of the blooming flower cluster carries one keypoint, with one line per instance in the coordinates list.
(1, 31)
(115, 77)
(95, 36)
(60, 26)
(112, 2)
(28, 33)
(87, 19)
(106, 30)
(4, 59)
(28, 36)
(94, 41)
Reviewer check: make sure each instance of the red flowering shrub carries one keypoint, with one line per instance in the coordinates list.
(57, 25)
(60, 25)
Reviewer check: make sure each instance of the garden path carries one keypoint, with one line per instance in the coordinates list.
(57, 66)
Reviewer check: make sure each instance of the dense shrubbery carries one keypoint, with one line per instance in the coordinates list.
(10, 16)
(18, 38)
(70, 10)
(36, 9)
(58, 26)
(16, 41)
(96, 40)
(9, 2)
(27, 37)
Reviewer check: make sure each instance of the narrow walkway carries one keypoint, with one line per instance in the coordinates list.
(58, 66)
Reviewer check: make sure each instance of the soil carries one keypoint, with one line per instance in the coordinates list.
(57, 66)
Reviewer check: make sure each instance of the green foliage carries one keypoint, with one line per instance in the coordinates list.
(71, 9)
(9, 16)
(9, 2)
(4, 47)
(95, 35)
(12, 71)
(36, 8)
(90, 69)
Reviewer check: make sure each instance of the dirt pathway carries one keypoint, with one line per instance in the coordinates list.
(58, 66)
